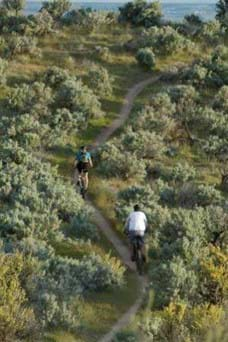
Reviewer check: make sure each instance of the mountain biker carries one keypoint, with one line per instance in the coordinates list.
(136, 226)
(83, 162)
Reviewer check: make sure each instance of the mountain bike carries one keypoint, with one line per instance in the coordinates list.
(81, 184)
(139, 257)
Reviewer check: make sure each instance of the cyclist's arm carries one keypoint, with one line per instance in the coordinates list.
(90, 162)
(146, 224)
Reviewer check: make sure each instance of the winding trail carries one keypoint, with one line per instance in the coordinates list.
(105, 226)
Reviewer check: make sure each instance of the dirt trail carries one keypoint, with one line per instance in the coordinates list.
(105, 226)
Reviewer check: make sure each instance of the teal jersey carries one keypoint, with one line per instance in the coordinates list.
(83, 157)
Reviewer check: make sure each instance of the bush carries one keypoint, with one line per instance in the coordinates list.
(82, 229)
(24, 98)
(3, 68)
(211, 33)
(17, 45)
(98, 79)
(41, 24)
(126, 336)
(222, 12)
(146, 58)
(76, 96)
(164, 41)
(16, 316)
(53, 77)
(56, 8)
(88, 19)
(143, 143)
(202, 195)
(141, 13)
(114, 162)
(183, 173)
(221, 100)
(15, 6)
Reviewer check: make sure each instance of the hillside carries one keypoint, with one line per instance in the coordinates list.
(152, 97)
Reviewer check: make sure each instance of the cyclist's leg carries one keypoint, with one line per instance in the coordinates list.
(86, 180)
(143, 250)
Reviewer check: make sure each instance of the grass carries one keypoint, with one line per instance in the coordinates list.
(99, 312)
(75, 51)
(67, 49)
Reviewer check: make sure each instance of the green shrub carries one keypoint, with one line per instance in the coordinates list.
(75, 96)
(143, 143)
(53, 77)
(164, 41)
(88, 19)
(114, 162)
(56, 8)
(146, 57)
(13, 6)
(41, 24)
(221, 100)
(211, 33)
(80, 228)
(141, 13)
(222, 12)
(99, 80)
(126, 336)
(16, 316)
(17, 45)
(3, 68)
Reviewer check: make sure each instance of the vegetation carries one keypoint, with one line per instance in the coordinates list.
(63, 76)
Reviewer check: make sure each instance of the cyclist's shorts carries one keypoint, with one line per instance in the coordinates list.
(135, 234)
(82, 167)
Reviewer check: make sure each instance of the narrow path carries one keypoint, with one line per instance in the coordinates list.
(104, 225)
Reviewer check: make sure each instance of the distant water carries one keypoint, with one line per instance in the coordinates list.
(175, 11)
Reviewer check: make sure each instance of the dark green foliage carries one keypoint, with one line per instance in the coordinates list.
(56, 8)
(15, 6)
(17, 45)
(3, 68)
(125, 336)
(80, 228)
(222, 12)
(41, 24)
(141, 13)
(48, 110)
(146, 58)
(76, 96)
(124, 164)
(88, 19)
(99, 80)
(164, 41)
(210, 72)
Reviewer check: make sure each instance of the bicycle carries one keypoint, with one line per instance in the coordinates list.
(139, 257)
(81, 183)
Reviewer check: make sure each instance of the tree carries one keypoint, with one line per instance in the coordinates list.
(56, 8)
(141, 13)
(15, 6)
(222, 12)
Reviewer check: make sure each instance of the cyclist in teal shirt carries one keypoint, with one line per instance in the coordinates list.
(83, 163)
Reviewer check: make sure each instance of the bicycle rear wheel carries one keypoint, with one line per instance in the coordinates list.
(139, 260)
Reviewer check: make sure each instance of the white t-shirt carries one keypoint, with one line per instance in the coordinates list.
(137, 221)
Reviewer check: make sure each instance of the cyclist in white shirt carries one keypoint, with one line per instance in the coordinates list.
(136, 226)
